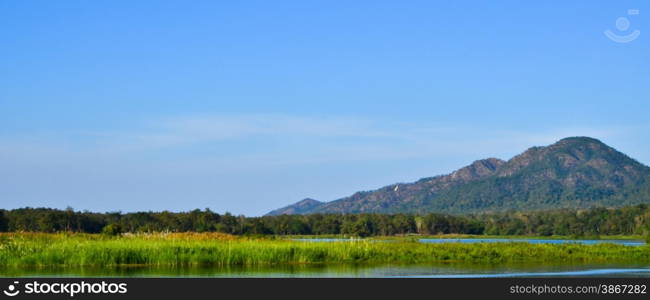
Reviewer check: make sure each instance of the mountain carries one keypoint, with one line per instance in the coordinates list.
(575, 172)
(301, 207)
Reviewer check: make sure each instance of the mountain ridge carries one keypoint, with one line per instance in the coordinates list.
(296, 208)
(575, 172)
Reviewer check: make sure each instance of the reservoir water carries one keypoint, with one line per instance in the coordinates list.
(536, 241)
(482, 240)
(446, 270)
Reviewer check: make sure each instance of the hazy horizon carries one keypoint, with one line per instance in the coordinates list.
(252, 106)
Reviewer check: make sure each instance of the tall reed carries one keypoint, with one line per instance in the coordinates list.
(218, 249)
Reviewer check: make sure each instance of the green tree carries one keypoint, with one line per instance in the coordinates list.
(403, 224)
(228, 223)
(362, 227)
(545, 230)
(3, 221)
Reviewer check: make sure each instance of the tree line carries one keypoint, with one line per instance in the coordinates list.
(590, 222)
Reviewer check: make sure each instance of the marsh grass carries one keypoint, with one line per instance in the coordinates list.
(214, 249)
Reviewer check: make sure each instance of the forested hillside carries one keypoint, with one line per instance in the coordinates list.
(577, 172)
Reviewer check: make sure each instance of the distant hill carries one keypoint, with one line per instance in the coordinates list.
(575, 172)
(301, 207)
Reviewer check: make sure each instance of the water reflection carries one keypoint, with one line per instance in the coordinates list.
(440, 270)
(536, 241)
(480, 240)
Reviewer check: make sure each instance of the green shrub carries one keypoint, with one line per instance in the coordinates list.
(112, 230)
(185, 249)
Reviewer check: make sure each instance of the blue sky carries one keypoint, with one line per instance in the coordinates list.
(245, 107)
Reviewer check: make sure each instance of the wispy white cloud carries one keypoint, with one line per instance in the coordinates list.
(207, 157)
(211, 128)
(305, 138)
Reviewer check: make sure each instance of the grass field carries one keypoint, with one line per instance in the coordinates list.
(206, 249)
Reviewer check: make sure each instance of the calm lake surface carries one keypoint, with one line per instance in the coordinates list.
(531, 241)
(448, 270)
(536, 241)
